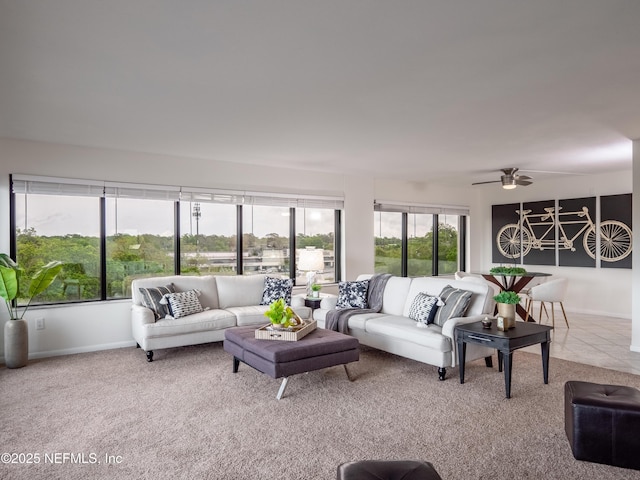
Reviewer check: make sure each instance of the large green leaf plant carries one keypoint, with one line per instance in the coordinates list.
(11, 276)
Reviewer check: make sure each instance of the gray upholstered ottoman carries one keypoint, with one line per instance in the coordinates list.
(277, 358)
(602, 423)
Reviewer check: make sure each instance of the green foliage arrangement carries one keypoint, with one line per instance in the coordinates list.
(280, 314)
(316, 287)
(507, 296)
(10, 277)
(507, 271)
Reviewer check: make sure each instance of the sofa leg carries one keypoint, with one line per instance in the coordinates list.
(441, 373)
(149, 356)
(488, 361)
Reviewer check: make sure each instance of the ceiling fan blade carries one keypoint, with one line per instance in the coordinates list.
(523, 177)
(482, 183)
(524, 183)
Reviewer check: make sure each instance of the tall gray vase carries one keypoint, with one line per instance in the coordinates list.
(16, 343)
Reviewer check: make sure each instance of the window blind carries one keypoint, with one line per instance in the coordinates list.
(22, 184)
(387, 206)
(237, 197)
(77, 187)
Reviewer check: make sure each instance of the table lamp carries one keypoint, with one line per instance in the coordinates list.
(311, 260)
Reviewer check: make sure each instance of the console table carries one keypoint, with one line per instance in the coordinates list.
(523, 335)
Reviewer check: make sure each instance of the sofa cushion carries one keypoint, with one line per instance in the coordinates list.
(424, 308)
(198, 322)
(403, 328)
(250, 315)
(395, 295)
(276, 288)
(353, 294)
(240, 290)
(182, 304)
(151, 298)
(456, 302)
(359, 321)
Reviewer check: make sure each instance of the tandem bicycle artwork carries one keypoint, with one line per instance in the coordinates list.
(536, 231)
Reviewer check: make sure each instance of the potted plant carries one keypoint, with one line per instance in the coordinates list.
(507, 301)
(16, 333)
(281, 315)
(315, 290)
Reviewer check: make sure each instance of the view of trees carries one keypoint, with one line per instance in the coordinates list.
(388, 253)
(131, 256)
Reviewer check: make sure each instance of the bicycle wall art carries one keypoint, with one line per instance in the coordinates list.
(564, 232)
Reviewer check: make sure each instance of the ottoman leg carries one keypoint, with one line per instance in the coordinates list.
(283, 386)
(346, 370)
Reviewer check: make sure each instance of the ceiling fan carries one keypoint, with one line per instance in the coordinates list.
(510, 179)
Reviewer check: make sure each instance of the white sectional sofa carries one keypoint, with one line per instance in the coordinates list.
(229, 301)
(392, 331)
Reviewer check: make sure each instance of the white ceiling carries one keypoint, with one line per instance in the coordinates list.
(421, 90)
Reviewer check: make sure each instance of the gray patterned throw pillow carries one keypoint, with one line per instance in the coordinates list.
(423, 308)
(152, 296)
(182, 304)
(353, 294)
(456, 302)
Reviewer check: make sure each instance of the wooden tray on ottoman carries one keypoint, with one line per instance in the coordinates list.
(288, 335)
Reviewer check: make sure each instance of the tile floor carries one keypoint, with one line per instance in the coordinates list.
(593, 340)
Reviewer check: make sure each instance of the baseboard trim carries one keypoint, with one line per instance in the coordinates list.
(85, 349)
(595, 313)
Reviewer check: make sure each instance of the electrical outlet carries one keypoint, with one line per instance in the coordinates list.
(39, 323)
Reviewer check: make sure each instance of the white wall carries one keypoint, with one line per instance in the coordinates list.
(99, 325)
(601, 291)
(635, 282)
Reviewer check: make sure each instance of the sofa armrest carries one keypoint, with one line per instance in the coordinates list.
(448, 329)
(329, 302)
(297, 300)
(141, 315)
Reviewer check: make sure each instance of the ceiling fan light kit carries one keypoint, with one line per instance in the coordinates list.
(510, 179)
(508, 182)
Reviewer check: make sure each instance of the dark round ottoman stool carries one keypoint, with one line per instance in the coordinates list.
(602, 423)
(387, 470)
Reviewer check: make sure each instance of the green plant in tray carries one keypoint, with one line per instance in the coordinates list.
(280, 314)
(507, 271)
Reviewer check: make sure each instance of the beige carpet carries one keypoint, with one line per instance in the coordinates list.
(186, 415)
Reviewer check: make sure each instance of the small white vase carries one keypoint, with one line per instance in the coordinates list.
(16, 343)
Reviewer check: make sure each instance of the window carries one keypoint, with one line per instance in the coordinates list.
(448, 244)
(109, 233)
(419, 245)
(265, 241)
(139, 243)
(64, 228)
(388, 239)
(315, 232)
(405, 241)
(208, 238)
